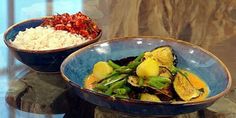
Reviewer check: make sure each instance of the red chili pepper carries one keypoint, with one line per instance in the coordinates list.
(77, 23)
(60, 27)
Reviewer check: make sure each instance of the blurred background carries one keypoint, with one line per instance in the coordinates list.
(17, 10)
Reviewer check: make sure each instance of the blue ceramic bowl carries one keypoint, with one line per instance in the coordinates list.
(79, 64)
(43, 61)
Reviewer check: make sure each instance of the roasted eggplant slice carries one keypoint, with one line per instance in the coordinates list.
(165, 72)
(133, 81)
(183, 87)
(165, 94)
(164, 54)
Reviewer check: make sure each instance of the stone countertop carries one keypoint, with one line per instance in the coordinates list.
(209, 24)
(42, 93)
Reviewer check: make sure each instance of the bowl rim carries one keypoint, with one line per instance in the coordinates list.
(207, 100)
(10, 45)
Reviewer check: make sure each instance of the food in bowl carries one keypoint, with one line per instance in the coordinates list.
(193, 58)
(46, 55)
(76, 24)
(58, 31)
(46, 38)
(152, 76)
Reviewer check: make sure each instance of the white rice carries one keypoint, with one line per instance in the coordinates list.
(46, 38)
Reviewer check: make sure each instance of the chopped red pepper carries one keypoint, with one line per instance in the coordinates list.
(77, 23)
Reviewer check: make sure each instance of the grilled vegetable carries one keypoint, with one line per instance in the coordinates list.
(133, 81)
(184, 88)
(151, 76)
(165, 72)
(164, 55)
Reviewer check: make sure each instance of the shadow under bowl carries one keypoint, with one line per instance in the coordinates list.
(40, 60)
(78, 65)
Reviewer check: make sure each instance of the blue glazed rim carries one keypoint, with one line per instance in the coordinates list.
(10, 45)
(187, 103)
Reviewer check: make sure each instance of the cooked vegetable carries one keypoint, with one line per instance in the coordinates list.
(136, 62)
(184, 88)
(163, 80)
(165, 72)
(149, 97)
(151, 76)
(156, 82)
(121, 96)
(164, 55)
(104, 84)
(113, 65)
(101, 87)
(90, 82)
(101, 70)
(113, 79)
(140, 81)
(124, 69)
(147, 68)
(134, 81)
(122, 91)
(114, 86)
